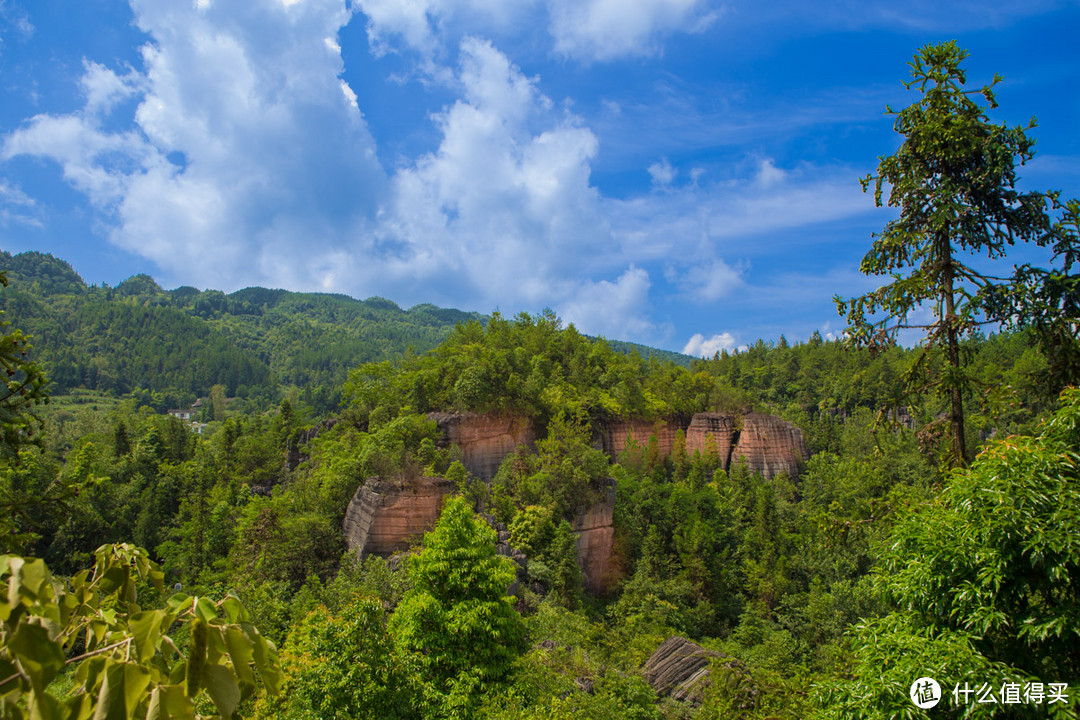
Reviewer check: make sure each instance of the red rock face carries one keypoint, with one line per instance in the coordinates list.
(769, 445)
(485, 440)
(384, 518)
(615, 436)
(595, 529)
(721, 428)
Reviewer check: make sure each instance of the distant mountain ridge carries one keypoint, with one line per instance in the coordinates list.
(138, 335)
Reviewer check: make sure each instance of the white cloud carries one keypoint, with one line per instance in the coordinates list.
(503, 210)
(587, 30)
(103, 88)
(662, 173)
(421, 24)
(16, 207)
(616, 310)
(700, 346)
(14, 16)
(613, 29)
(691, 222)
(273, 147)
(768, 174)
(711, 281)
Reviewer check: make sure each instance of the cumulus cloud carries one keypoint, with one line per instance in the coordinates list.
(700, 346)
(243, 141)
(616, 310)
(103, 88)
(710, 281)
(505, 203)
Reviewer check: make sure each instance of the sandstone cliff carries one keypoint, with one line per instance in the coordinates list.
(485, 440)
(769, 445)
(595, 530)
(384, 518)
(614, 436)
(722, 429)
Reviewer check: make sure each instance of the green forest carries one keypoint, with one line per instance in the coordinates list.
(933, 529)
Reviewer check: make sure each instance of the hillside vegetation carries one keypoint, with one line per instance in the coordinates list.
(786, 578)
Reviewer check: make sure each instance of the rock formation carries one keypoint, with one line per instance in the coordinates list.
(723, 429)
(485, 440)
(769, 445)
(595, 530)
(613, 436)
(680, 669)
(384, 518)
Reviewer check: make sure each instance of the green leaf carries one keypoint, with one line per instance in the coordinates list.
(234, 610)
(40, 656)
(145, 630)
(33, 576)
(136, 680)
(205, 610)
(222, 688)
(114, 579)
(241, 653)
(43, 706)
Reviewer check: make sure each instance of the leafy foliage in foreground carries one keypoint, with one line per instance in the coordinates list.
(122, 658)
(985, 579)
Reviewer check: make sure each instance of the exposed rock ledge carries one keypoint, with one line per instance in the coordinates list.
(681, 670)
(485, 440)
(595, 530)
(384, 518)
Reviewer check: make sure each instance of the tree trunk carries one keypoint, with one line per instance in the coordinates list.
(956, 398)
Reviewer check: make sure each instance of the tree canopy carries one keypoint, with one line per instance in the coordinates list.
(954, 180)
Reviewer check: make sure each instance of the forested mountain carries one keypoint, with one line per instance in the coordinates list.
(179, 343)
(334, 548)
(184, 341)
(770, 576)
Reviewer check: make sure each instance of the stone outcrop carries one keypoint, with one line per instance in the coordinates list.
(722, 429)
(384, 518)
(614, 436)
(679, 669)
(769, 446)
(595, 530)
(485, 440)
(683, 670)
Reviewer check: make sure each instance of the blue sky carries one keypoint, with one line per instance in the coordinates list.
(682, 173)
